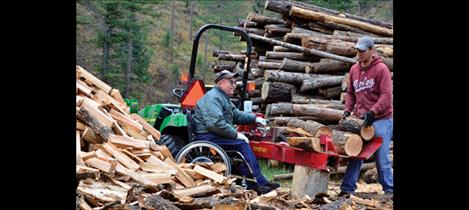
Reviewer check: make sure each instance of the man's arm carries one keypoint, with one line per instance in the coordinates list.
(243, 118)
(350, 97)
(385, 89)
(215, 122)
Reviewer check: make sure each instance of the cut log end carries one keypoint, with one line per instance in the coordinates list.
(354, 145)
(367, 133)
(324, 130)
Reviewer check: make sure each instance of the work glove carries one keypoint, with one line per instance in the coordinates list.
(261, 121)
(242, 137)
(369, 118)
(346, 114)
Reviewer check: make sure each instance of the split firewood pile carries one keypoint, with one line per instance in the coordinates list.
(300, 67)
(120, 165)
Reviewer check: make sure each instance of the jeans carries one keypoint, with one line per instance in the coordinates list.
(244, 149)
(383, 128)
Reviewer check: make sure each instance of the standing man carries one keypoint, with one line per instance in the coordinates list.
(214, 117)
(370, 98)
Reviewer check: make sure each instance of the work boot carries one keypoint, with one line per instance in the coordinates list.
(262, 189)
(272, 185)
(344, 194)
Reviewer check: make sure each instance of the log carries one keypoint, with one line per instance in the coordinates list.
(326, 66)
(268, 65)
(308, 144)
(232, 57)
(98, 127)
(283, 121)
(90, 136)
(315, 128)
(335, 46)
(347, 143)
(317, 16)
(291, 55)
(303, 49)
(354, 125)
(302, 99)
(281, 49)
(298, 32)
(277, 29)
(246, 23)
(283, 7)
(264, 20)
(308, 181)
(257, 31)
(292, 65)
(277, 91)
(345, 82)
(388, 62)
(305, 110)
(102, 191)
(215, 53)
(290, 77)
(256, 72)
(312, 84)
(331, 92)
(223, 66)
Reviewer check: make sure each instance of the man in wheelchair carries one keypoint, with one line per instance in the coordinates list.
(214, 117)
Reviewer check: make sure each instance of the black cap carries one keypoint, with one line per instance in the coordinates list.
(225, 74)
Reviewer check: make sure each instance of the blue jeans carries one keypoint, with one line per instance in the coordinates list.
(383, 128)
(244, 149)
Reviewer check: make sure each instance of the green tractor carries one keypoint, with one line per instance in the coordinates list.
(174, 121)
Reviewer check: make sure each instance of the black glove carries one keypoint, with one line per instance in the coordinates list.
(346, 114)
(369, 118)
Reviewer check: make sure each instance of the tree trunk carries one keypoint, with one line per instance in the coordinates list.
(107, 37)
(246, 23)
(347, 143)
(290, 55)
(172, 34)
(308, 144)
(268, 65)
(312, 84)
(264, 20)
(129, 68)
(277, 92)
(348, 37)
(317, 16)
(303, 49)
(290, 77)
(327, 65)
(284, 7)
(331, 92)
(334, 46)
(354, 125)
(277, 29)
(311, 126)
(281, 49)
(305, 110)
(293, 65)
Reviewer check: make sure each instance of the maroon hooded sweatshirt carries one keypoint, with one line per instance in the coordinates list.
(370, 89)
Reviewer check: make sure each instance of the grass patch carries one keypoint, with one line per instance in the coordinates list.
(269, 171)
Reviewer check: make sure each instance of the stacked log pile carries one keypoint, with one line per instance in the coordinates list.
(302, 58)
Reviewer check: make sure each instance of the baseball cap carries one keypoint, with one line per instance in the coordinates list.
(364, 43)
(225, 74)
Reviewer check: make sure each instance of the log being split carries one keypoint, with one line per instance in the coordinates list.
(277, 92)
(317, 16)
(311, 126)
(290, 77)
(312, 84)
(354, 125)
(327, 114)
(347, 143)
(303, 49)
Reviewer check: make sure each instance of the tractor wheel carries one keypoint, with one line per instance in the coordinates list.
(204, 151)
(173, 143)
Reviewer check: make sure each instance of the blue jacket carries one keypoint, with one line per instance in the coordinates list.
(216, 113)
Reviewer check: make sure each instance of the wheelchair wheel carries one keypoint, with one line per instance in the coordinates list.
(204, 151)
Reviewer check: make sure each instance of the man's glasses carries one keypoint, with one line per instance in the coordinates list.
(232, 82)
